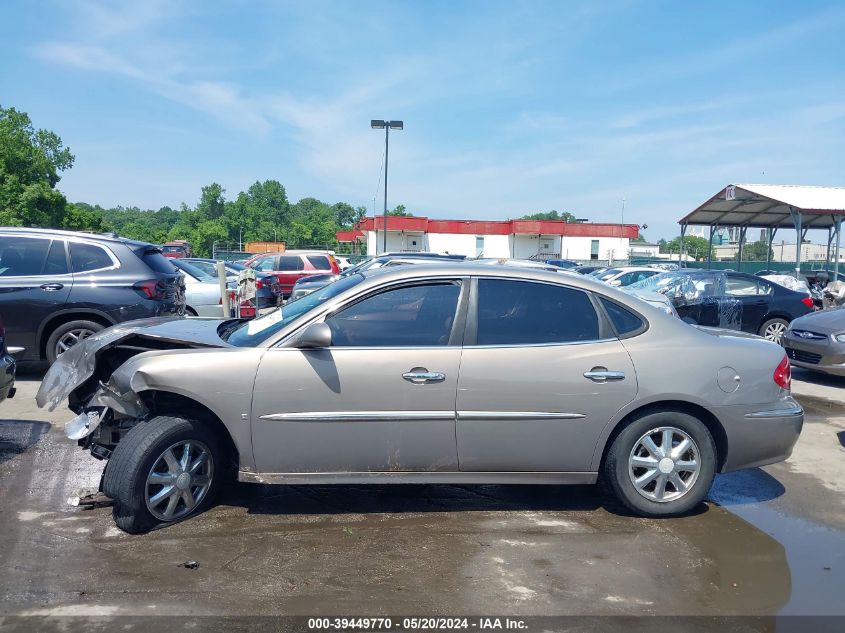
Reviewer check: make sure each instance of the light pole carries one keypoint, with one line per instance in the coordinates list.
(377, 124)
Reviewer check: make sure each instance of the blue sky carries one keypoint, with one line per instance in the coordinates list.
(509, 107)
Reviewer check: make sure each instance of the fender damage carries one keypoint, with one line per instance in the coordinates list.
(103, 387)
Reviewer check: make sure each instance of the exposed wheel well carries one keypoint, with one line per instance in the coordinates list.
(57, 321)
(174, 404)
(709, 420)
(190, 311)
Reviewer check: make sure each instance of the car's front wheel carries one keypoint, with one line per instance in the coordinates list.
(163, 471)
(661, 464)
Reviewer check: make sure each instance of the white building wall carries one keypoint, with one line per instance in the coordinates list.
(452, 243)
(581, 247)
(498, 246)
(516, 246)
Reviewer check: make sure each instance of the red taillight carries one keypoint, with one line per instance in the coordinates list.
(783, 374)
(259, 285)
(807, 301)
(148, 288)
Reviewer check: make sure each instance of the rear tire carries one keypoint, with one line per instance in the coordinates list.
(151, 481)
(773, 330)
(653, 481)
(67, 335)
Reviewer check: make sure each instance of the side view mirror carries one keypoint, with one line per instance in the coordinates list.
(315, 336)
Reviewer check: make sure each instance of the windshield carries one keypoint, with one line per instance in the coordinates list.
(172, 249)
(607, 274)
(192, 270)
(251, 333)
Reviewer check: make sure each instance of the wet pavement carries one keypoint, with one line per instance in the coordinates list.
(771, 541)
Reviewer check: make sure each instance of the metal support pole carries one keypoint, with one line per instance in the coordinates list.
(681, 246)
(769, 238)
(713, 228)
(838, 225)
(386, 139)
(799, 233)
(827, 250)
(742, 231)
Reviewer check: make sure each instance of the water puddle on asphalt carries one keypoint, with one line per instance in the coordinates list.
(815, 554)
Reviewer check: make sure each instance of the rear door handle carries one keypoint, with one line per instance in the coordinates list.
(51, 287)
(420, 375)
(603, 375)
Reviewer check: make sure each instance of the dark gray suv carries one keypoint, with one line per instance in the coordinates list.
(58, 287)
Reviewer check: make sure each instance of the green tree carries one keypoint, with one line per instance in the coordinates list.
(550, 215)
(212, 204)
(30, 162)
(83, 217)
(756, 251)
(399, 210)
(696, 247)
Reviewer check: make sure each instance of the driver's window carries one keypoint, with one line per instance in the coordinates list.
(411, 316)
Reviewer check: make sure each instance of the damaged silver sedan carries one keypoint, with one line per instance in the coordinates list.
(453, 373)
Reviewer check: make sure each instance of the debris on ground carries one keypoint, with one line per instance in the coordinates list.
(190, 564)
(89, 498)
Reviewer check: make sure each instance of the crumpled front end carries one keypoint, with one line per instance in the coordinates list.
(97, 380)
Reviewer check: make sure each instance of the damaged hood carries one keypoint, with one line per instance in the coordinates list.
(77, 365)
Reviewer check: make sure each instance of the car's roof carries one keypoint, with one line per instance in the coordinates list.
(97, 237)
(472, 268)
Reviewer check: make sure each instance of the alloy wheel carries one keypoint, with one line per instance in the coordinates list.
(71, 338)
(774, 332)
(179, 480)
(664, 464)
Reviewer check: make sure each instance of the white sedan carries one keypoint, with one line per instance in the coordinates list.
(626, 275)
(202, 291)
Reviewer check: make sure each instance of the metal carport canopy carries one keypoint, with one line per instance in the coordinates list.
(772, 207)
(768, 206)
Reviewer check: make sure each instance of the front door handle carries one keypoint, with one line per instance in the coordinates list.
(600, 374)
(420, 376)
(51, 287)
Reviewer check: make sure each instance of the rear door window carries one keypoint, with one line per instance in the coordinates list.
(88, 257)
(528, 313)
(22, 256)
(290, 262)
(741, 286)
(320, 262)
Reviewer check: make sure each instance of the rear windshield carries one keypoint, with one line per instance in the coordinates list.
(320, 262)
(193, 271)
(251, 333)
(153, 258)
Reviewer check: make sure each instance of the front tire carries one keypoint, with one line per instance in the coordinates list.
(164, 470)
(661, 464)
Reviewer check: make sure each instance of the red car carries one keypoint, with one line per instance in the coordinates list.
(176, 249)
(293, 265)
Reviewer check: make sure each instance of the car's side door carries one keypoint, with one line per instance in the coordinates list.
(381, 398)
(35, 281)
(753, 294)
(541, 375)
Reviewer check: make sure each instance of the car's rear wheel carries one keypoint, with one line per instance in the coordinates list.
(69, 334)
(774, 329)
(661, 464)
(164, 470)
